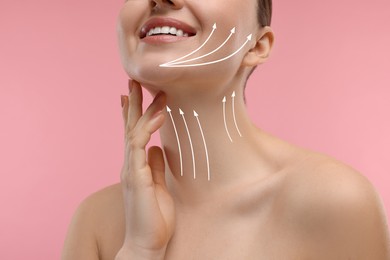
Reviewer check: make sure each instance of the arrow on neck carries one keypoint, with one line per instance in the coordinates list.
(224, 118)
(189, 138)
(234, 114)
(178, 140)
(205, 146)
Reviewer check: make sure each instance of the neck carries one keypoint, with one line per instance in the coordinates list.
(210, 144)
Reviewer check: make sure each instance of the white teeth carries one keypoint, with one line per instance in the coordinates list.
(173, 30)
(179, 33)
(157, 30)
(167, 30)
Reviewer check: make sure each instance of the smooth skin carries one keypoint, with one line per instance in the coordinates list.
(267, 199)
(311, 219)
(150, 208)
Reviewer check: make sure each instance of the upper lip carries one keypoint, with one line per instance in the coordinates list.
(171, 22)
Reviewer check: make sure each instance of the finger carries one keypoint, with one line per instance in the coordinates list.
(135, 105)
(139, 139)
(149, 123)
(139, 135)
(125, 102)
(155, 108)
(157, 165)
(125, 109)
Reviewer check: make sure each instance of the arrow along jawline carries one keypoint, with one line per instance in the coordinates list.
(177, 63)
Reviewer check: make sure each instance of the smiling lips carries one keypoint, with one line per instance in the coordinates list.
(160, 30)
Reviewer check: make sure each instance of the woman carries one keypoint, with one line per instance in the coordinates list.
(220, 188)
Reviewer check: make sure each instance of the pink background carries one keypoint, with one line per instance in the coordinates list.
(326, 87)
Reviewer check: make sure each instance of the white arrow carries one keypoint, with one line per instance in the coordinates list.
(234, 114)
(205, 55)
(185, 56)
(211, 62)
(205, 146)
(224, 118)
(178, 141)
(189, 137)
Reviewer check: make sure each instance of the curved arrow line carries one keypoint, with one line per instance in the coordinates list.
(224, 118)
(205, 55)
(189, 137)
(185, 56)
(178, 141)
(205, 146)
(234, 114)
(211, 62)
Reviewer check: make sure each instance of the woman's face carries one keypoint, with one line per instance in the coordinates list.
(141, 53)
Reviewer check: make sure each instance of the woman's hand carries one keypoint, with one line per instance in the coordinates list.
(149, 208)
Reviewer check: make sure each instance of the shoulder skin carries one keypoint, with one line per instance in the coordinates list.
(336, 210)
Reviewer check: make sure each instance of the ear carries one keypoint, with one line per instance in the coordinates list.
(260, 52)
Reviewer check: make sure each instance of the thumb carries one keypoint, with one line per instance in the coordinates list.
(157, 165)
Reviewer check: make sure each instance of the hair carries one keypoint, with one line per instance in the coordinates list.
(264, 17)
(264, 12)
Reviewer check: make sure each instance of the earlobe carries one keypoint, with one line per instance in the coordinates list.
(262, 49)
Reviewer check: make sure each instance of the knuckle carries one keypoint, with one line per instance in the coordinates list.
(124, 174)
(131, 137)
(125, 178)
(136, 140)
(134, 143)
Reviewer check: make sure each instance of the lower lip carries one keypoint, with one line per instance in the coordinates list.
(159, 39)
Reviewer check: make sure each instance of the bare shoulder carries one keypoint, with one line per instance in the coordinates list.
(320, 178)
(97, 227)
(110, 196)
(329, 201)
(103, 204)
(107, 204)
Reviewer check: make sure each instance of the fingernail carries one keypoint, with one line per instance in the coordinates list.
(122, 100)
(130, 83)
(159, 94)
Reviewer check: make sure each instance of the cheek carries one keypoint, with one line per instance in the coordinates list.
(229, 14)
(126, 19)
(129, 17)
(132, 12)
(143, 64)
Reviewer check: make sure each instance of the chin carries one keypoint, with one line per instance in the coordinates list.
(152, 74)
(154, 78)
